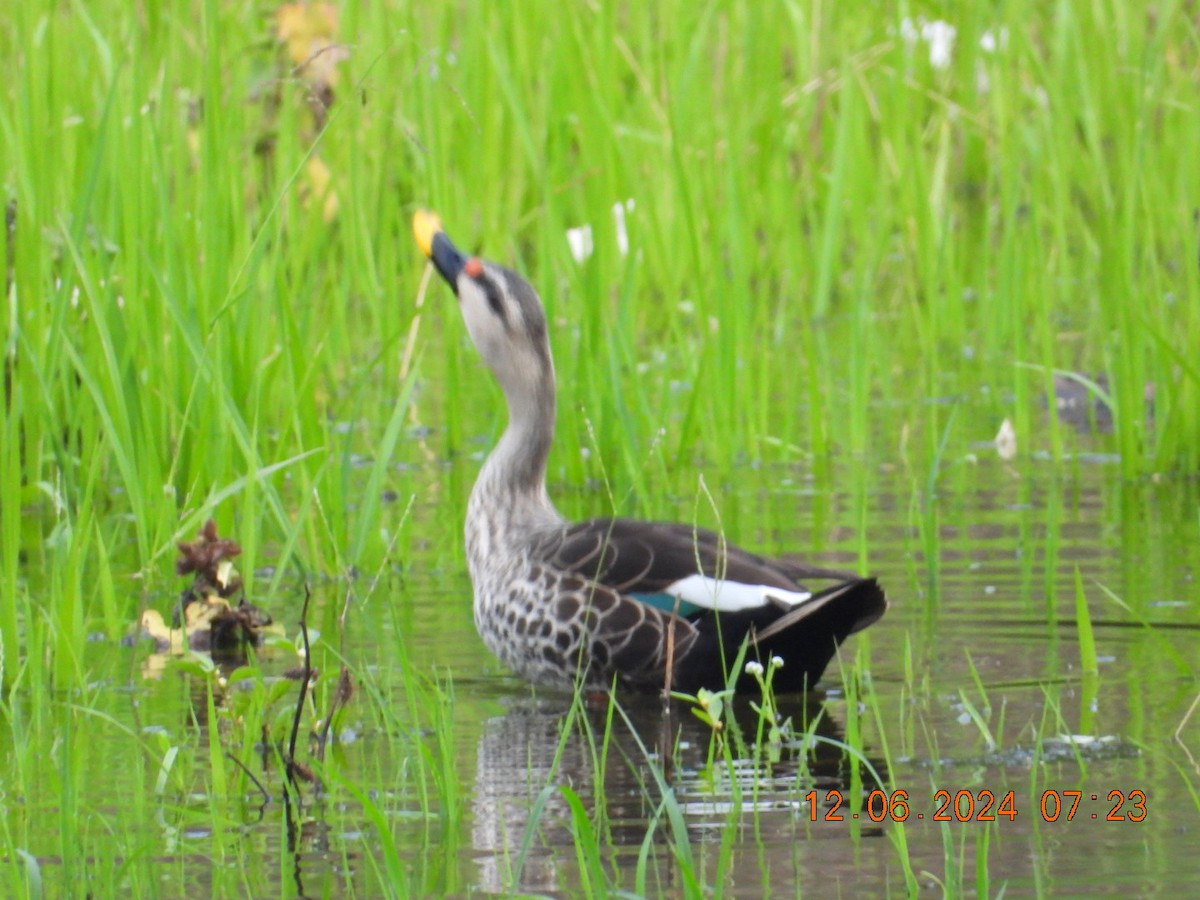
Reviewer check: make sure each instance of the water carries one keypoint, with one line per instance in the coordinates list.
(975, 672)
(992, 631)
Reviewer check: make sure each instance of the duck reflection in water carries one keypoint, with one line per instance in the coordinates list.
(532, 755)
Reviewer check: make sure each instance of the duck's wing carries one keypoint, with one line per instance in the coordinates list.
(610, 632)
(678, 568)
(642, 579)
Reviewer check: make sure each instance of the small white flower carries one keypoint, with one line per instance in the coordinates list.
(1006, 441)
(939, 36)
(580, 241)
(754, 668)
(776, 662)
(991, 41)
(619, 210)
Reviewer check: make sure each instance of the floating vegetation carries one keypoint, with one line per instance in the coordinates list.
(205, 619)
(1053, 749)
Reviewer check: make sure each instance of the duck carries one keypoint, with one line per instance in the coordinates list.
(615, 602)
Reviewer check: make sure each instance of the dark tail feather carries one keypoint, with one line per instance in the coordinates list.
(806, 638)
(860, 603)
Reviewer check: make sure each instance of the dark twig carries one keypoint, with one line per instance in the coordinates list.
(341, 696)
(258, 784)
(345, 684)
(670, 668)
(294, 769)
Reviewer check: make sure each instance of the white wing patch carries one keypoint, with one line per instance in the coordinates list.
(732, 596)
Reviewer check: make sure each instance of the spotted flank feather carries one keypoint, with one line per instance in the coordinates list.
(612, 600)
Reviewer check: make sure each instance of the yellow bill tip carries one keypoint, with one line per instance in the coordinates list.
(425, 225)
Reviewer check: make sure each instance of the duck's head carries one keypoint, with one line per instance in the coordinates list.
(503, 313)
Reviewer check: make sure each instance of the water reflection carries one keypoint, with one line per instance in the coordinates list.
(537, 746)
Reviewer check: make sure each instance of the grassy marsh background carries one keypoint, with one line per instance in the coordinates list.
(835, 248)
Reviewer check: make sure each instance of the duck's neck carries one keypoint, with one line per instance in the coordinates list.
(512, 484)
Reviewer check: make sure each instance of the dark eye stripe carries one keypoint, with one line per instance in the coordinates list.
(495, 301)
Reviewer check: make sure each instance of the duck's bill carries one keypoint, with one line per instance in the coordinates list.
(427, 229)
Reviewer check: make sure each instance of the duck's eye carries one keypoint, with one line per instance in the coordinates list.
(474, 269)
(495, 301)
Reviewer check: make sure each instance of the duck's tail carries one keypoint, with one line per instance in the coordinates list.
(804, 637)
